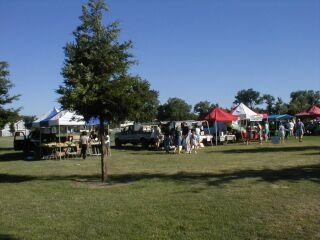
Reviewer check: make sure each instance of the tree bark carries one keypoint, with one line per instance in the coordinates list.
(104, 152)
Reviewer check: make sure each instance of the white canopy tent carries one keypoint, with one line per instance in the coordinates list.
(245, 113)
(43, 117)
(66, 118)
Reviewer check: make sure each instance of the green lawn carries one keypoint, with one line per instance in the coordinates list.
(233, 191)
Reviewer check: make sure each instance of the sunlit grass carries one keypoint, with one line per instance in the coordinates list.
(233, 191)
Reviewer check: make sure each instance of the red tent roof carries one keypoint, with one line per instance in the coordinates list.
(217, 114)
(303, 114)
(314, 111)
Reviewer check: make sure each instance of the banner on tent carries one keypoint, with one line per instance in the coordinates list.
(256, 118)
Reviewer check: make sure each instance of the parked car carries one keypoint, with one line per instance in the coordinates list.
(134, 134)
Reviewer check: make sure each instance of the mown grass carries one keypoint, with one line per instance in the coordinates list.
(233, 191)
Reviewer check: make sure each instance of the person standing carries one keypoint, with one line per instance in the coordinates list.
(300, 130)
(291, 126)
(167, 141)
(178, 141)
(259, 132)
(84, 140)
(282, 132)
(193, 142)
(108, 144)
(266, 131)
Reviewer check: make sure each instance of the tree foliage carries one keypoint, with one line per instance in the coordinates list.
(6, 114)
(175, 109)
(28, 120)
(302, 100)
(270, 101)
(280, 107)
(203, 107)
(249, 97)
(96, 78)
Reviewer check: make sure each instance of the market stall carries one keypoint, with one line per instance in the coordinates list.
(68, 119)
(219, 115)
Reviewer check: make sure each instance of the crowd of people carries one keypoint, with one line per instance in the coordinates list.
(261, 132)
(86, 141)
(291, 129)
(187, 139)
(181, 138)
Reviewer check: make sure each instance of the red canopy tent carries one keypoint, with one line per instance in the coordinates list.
(314, 111)
(219, 115)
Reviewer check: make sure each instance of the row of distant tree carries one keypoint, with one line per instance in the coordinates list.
(178, 109)
(175, 108)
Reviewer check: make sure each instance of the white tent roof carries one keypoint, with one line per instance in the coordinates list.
(45, 116)
(246, 113)
(66, 118)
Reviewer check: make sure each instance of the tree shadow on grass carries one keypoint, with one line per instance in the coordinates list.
(7, 237)
(293, 174)
(6, 148)
(270, 149)
(11, 178)
(16, 156)
(12, 156)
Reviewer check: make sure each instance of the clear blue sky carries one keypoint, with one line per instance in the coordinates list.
(191, 49)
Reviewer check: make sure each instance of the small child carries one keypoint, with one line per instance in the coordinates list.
(167, 141)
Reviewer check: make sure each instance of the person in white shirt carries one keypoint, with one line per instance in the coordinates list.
(282, 132)
(84, 140)
(290, 127)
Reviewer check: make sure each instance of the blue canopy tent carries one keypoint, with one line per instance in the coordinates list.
(276, 118)
(279, 117)
(94, 121)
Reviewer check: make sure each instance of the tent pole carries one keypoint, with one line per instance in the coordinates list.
(40, 149)
(215, 123)
(59, 142)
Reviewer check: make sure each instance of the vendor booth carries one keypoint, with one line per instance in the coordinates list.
(55, 143)
(312, 112)
(219, 115)
(45, 117)
(274, 122)
(247, 118)
(245, 113)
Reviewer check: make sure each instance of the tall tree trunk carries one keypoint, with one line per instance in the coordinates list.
(104, 152)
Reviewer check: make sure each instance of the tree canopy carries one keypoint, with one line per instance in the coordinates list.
(175, 109)
(6, 114)
(96, 79)
(302, 100)
(249, 97)
(203, 107)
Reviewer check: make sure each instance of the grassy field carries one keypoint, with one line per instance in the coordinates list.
(233, 191)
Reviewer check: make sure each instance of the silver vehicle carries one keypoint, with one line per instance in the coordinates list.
(134, 134)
